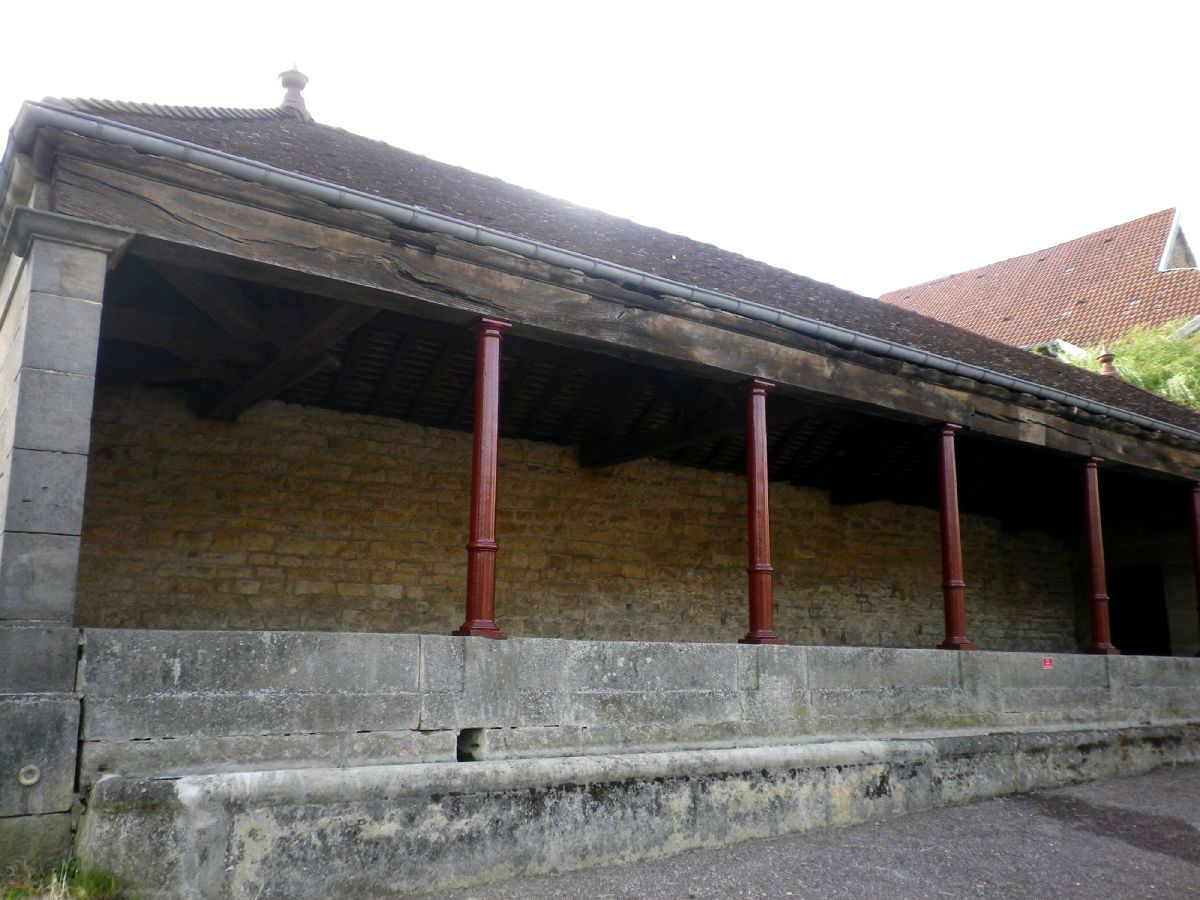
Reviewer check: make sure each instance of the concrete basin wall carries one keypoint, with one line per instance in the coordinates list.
(196, 702)
(389, 831)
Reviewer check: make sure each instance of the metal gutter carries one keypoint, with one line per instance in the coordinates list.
(35, 115)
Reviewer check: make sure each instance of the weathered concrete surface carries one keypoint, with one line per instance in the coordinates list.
(189, 702)
(41, 840)
(38, 734)
(1135, 838)
(383, 831)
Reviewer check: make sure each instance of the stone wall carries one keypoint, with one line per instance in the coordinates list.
(177, 702)
(301, 518)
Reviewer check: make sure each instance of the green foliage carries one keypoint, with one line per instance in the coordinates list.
(66, 881)
(1154, 360)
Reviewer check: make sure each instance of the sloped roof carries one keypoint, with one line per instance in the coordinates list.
(349, 160)
(1092, 289)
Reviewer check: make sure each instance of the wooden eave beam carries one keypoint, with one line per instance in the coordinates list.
(300, 357)
(201, 219)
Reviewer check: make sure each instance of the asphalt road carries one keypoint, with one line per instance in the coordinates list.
(1118, 840)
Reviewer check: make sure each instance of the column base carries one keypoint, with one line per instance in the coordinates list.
(762, 636)
(960, 643)
(1104, 649)
(480, 628)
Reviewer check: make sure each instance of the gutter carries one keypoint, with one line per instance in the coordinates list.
(37, 115)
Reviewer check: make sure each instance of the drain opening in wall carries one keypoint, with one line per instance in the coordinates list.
(470, 745)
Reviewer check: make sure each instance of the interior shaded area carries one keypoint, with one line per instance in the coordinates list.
(160, 327)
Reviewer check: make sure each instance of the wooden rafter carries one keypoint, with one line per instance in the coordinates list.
(219, 299)
(298, 358)
(715, 418)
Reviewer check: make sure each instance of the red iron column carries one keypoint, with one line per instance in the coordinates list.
(481, 543)
(758, 518)
(1196, 543)
(954, 589)
(1097, 583)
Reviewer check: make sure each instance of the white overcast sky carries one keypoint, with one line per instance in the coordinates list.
(872, 145)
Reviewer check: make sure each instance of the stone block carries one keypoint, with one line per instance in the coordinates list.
(125, 663)
(544, 664)
(240, 753)
(37, 576)
(61, 334)
(1020, 671)
(223, 713)
(53, 411)
(36, 841)
(773, 684)
(468, 682)
(66, 270)
(1156, 671)
(38, 738)
(45, 491)
(38, 658)
(649, 666)
(442, 663)
(645, 707)
(845, 668)
(885, 710)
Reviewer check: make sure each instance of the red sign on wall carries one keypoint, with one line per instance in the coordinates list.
(1047, 662)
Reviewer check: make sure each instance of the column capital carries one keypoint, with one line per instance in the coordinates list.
(948, 428)
(487, 323)
(757, 385)
(28, 223)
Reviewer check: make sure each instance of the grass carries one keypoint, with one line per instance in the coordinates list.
(66, 881)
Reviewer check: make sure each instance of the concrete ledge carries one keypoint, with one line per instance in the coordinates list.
(382, 831)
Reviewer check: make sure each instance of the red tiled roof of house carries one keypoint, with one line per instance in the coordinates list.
(350, 160)
(1089, 290)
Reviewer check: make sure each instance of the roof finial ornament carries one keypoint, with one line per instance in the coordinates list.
(1106, 363)
(293, 83)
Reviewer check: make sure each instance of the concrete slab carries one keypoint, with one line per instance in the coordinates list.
(38, 737)
(38, 658)
(37, 576)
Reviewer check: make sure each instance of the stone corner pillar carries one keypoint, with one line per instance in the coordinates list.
(52, 273)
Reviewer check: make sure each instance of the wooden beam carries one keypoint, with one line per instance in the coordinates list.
(388, 381)
(151, 373)
(173, 333)
(218, 298)
(705, 421)
(297, 359)
(154, 330)
(341, 384)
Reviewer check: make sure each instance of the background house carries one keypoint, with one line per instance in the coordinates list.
(1086, 291)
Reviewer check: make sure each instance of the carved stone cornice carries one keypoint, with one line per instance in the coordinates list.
(28, 223)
